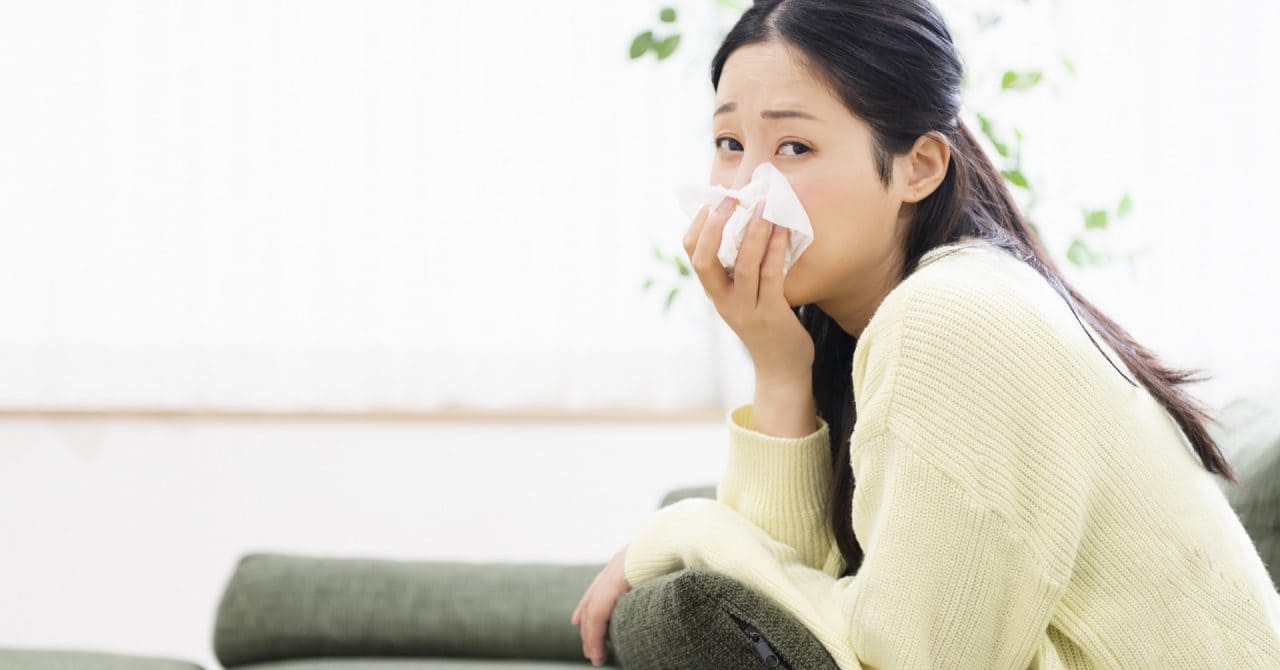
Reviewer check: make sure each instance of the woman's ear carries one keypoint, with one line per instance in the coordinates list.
(924, 166)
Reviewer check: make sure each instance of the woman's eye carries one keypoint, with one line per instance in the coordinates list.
(722, 139)
(795, 152)
(806, 149)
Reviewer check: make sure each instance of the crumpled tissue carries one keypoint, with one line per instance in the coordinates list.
(781, 206)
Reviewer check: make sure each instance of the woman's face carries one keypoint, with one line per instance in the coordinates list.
(857, 223)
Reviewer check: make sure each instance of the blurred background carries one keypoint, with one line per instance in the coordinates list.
(404, 279)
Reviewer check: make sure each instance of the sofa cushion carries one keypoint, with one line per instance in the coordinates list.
(695, 619)
(282, 606)
(71, 659)
(416, 664)
(1248, 434)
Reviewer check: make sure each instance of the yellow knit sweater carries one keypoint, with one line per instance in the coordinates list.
(1020, 504)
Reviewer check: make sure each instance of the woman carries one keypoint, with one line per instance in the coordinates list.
(952, 458)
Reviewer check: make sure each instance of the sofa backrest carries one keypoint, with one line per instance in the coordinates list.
(1248, 434)
(282, 606)
(677, 494)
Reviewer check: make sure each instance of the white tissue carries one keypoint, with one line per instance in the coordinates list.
(781, 206)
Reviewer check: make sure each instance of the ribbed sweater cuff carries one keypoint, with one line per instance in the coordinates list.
(769, 475)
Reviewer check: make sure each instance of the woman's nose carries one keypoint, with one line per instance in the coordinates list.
(742, 176)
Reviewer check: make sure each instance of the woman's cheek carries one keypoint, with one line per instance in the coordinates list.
(819, 195)
(817, 204)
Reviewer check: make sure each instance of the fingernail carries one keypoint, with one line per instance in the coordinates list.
(725, 205)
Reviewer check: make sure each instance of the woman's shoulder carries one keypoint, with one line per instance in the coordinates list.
(973, 353)
(969, 287)
(971, 310)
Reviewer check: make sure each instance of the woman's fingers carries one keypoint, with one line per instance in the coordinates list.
(746, 269)
(586, 597)
(771, 269)
(574, 619)
(587, 616)
(695, 229)
(704, 261)
(593, 635)
(597, 604)
(583, 628)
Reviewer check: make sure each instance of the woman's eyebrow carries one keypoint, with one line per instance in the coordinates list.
(768, 113)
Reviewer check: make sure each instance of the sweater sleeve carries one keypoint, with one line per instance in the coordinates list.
(945, 582)
(784, 486)
(966, 505)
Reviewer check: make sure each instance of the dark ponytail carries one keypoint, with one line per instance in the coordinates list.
(894, 65)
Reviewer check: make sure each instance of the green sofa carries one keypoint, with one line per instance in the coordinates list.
(294, 612)
(289, 611)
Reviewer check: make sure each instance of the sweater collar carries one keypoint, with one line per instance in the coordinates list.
(945, 248)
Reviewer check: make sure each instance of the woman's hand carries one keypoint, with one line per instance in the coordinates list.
(752, 302)
(592, 613)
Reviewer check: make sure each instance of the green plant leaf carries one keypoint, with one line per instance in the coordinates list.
(1125, 206)
(1069, 65)
(1078, 253)
(1020, 81)
(667, 15)
(642, 43)
(1016, 177)
(988, 129)
(984, 122)
(658, 253)
(1097, 218)
(671, 295)
(681, 267)
(647, 283)
(667, 46)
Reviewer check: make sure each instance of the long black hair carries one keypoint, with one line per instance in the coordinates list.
(893, 64)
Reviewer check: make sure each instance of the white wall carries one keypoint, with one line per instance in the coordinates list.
(344, 206)
(362, 206)
(119, 535)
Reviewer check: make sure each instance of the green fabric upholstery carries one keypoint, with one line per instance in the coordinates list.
(282, 606)
(692, 619)
(418, 664)
(1248, 434)
(71, 659)
(676, 495)
(689, 620)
